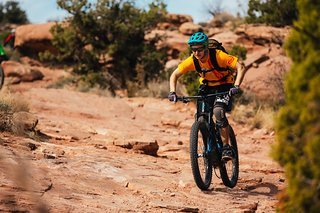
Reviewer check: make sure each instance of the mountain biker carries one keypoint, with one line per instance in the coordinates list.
(10, 39)
(3, 55)
(212, 81)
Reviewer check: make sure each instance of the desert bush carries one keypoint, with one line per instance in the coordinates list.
(224, 17)
(10, 104)
(191, 82)
(155, 88)
(275, 13)
(10, 12)
(297, 123)
(239, 51)
(108, 38)
(253, 111)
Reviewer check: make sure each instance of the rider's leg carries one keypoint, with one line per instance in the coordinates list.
(224, 132)
(222, 122)
(223, 125)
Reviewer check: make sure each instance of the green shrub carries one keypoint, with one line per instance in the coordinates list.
(297, 124)
(10, 12)
(108, 37)
(275, 13)
(190, 80)
(239, 51)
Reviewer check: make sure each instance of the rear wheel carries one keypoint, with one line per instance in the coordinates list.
(1, 77)
(229, 170)
(200, 163)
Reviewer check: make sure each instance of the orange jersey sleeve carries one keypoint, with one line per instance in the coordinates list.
(187, 65)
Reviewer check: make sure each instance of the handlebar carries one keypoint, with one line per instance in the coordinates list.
(186, 99)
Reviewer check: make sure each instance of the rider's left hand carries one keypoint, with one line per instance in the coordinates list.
(172, 97)
(234, 90)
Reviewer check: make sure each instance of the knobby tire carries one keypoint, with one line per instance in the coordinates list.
(198, 146)
(230, 180)
(1, 77)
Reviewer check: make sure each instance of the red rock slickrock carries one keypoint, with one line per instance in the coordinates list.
(94, 153)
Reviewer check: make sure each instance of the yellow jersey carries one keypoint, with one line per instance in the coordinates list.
(213, 77)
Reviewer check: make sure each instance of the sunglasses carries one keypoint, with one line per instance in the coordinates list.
(199, 49)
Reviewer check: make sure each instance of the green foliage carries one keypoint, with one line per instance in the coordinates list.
(109, 37)
(273, 12)
(3, 35)
(298, 121)
(239, 51)
(10, 12)
(190, 80)
(148, 65)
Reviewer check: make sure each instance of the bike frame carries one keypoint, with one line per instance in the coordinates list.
(203, 110)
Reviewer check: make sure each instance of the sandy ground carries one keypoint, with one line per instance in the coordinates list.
(78, 165)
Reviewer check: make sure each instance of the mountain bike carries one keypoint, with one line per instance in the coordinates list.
(3, 57)
(1, 75)
(206, 146)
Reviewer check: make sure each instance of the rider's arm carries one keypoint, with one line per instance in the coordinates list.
(241, 70)
(174, 79)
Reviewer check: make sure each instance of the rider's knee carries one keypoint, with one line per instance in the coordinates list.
(220, 115)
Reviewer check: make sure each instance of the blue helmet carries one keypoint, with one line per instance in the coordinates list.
(198, 38)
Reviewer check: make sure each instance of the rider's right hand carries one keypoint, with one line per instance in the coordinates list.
(234, 90)
(172, 96)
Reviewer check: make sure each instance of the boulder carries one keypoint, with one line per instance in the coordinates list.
(145, 147)
(20, 72)
(221, 19)
(188, 28)
(178, 19)
(266, 70)
(175, 41)
(34, 38)
(213, 31)
(172, 64)
(228, 38)
(262, 34)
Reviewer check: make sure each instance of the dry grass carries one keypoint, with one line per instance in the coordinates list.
(9, 104)
(254, 115)
(153, 89)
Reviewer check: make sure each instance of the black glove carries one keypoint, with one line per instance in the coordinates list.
(234, 90)
(172, 96)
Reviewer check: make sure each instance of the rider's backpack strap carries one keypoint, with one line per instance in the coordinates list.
(214, 62)
(196, 65)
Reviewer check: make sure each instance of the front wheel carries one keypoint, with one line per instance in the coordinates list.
(1, 77)
(229, 170)
(200, 163)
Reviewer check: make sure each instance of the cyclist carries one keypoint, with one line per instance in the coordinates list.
(9, 40)
(212, 81)
(3, 56)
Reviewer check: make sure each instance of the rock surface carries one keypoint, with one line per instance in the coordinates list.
(74, 165)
